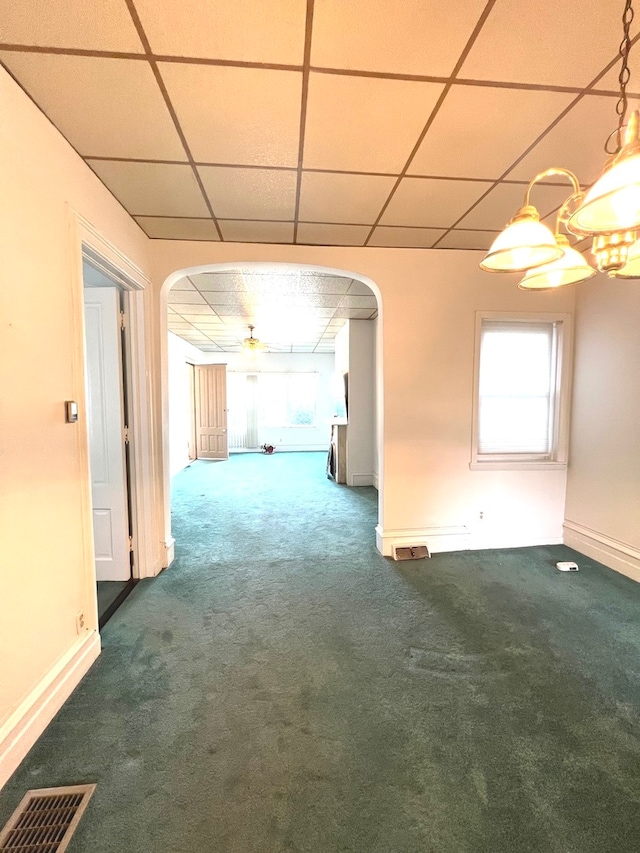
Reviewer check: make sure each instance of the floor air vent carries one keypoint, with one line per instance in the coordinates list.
(410, 552)
(45, 820)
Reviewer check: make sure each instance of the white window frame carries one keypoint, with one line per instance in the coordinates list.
(557, 458)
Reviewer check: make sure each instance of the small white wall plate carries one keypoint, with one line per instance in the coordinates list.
(567, 567)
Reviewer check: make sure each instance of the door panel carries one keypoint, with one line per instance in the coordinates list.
(106, 433)
(211, 412)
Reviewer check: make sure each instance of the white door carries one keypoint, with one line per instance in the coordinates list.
(211, 412)
(106, 432)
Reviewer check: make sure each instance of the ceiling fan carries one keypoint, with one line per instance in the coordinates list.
(251, 343)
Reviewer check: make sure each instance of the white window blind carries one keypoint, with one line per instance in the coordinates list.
(517, 382)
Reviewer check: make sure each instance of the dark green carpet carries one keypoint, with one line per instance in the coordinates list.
(284, 688)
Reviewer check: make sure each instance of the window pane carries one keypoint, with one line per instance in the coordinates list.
(515, 407)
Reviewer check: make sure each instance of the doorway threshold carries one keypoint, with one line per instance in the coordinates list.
(111, 594)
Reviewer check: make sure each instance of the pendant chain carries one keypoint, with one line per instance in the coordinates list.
(625, 73)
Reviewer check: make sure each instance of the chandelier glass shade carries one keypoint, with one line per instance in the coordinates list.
(570, 268)
(609, 212)
(525, 242)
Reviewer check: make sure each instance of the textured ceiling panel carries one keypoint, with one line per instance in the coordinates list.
(250, 193)
(105, 107)
(575, 40)
(386, 36)
(348, 198)
(479, 132)
(106, 25)
(237, 115)
(363, 124)
(152, 189)
(431, 203)
(412, 238)
(245, 30)
(178, 229)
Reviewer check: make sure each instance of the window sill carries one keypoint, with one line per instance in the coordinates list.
(496, 465)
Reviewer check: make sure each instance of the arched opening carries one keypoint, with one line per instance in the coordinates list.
(296, 310)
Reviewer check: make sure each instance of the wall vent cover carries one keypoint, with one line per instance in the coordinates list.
(45, 819)
(410, 552)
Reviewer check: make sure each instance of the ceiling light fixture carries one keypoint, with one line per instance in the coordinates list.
(251, 343)
(609, 212)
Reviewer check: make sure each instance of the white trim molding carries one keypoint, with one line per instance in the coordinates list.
(437, 539)
(361, 480)
(610, 552)
(33, 715)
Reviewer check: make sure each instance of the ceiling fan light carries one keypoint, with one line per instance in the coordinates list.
(525, 242)
(613, 202)
(571, 268)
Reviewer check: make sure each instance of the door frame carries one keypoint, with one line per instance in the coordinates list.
(87, 244)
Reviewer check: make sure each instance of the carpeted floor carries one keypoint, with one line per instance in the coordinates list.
(285, 689)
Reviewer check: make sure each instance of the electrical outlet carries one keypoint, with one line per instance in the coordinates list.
(80, 623)
(481, 515)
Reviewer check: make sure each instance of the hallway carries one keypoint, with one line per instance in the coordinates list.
(282, 687)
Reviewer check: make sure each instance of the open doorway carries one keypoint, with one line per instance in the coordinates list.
(108, 385)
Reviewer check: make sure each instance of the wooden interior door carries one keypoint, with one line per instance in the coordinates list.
(193, 440)
(211, 411)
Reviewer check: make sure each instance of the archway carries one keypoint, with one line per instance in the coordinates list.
(263, 267)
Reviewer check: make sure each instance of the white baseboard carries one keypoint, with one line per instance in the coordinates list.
(612, 553)
(480, 543)
(360, 480)
(437, 539)
(376, 481)
(30, 719)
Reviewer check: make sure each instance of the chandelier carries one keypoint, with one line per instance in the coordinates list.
(609, 212)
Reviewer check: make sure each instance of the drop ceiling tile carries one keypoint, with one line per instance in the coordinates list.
(153, 189)
(491, 128)
(266, 31)
(576, 142)
(360, 288)
(354, 313)
(191, 311)
(250, 193)
(574, 42)
(461, 239)
(218, 281)
(256, 232)
(357, 199)
(104, 107)
(416, 238)
(181, 284)
(385, 118)
(237, 115)
(350, 301)
(70, 23)
(412, 37)
(332, 235)
(431, 203)
(501, 204)
(168, 228)
(183, 297)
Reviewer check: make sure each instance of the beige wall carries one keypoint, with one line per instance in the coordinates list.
(44, 576)
(428, 305)
(603, 493)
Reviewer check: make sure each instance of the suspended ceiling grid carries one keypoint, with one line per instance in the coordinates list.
(336, 122)
(292, 312)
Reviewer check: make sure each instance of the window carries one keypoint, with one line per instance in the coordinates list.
(287, 399)
(521, 391)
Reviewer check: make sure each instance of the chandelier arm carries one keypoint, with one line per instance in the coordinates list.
(549, 173)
